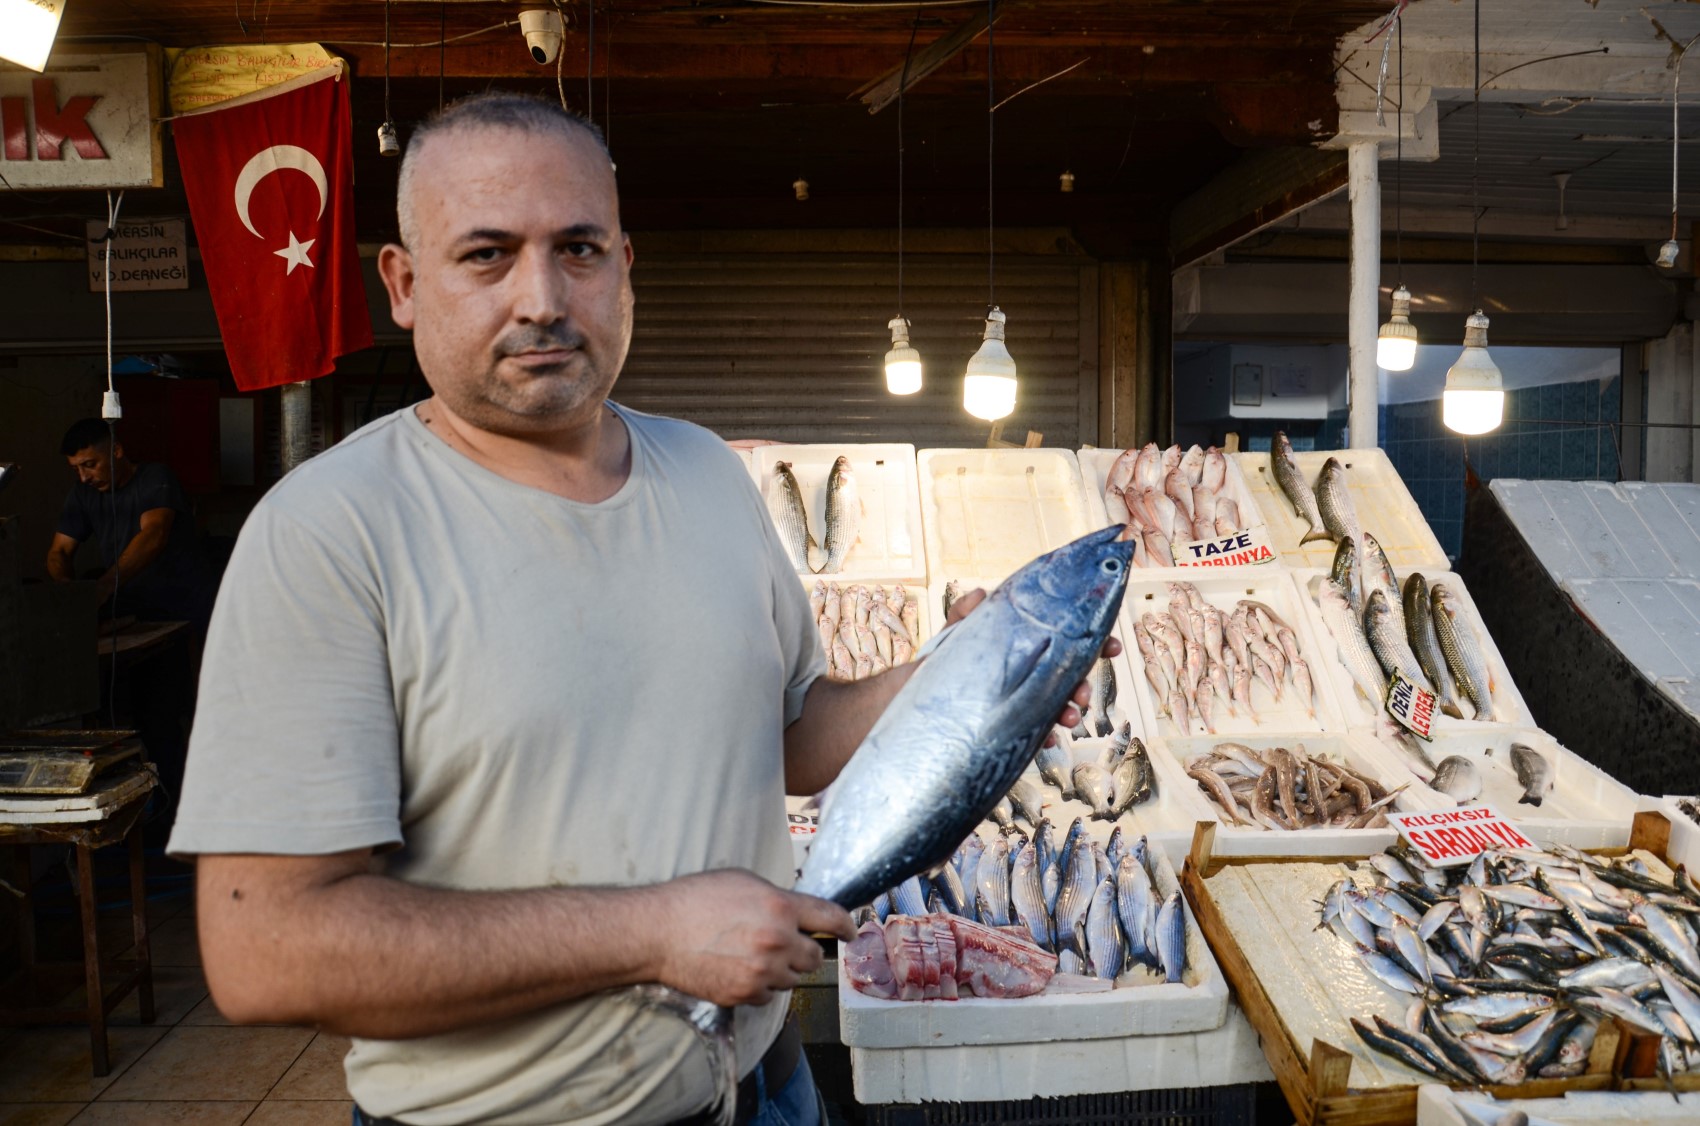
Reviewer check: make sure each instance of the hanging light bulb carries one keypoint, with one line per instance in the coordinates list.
(988, 386)
(1474, 399)
(902, 363)
(1396, 346)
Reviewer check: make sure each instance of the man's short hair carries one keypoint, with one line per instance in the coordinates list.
(492, 109)
(85, 432)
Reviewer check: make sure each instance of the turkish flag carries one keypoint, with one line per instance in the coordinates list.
(270, 181)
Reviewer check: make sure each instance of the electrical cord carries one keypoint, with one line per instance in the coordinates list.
(903, 81)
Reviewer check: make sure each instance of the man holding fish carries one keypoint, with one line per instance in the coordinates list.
(503, 693)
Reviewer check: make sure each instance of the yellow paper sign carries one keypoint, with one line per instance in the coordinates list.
(202, 76)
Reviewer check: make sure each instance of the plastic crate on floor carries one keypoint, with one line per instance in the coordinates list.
(1216, 1106)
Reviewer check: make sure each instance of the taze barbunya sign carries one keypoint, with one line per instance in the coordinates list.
(1242, 549)
(88, 121)
(1448, 837)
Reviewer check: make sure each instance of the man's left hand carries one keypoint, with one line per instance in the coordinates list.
(1082, 696)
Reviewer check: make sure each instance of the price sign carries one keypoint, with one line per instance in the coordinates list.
(1411, 705)
(1242, 549)
(1450, 837)
(801, 827)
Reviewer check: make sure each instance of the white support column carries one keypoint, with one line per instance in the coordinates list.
(1364, 306)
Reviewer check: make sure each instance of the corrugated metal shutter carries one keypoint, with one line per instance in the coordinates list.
(790, 347)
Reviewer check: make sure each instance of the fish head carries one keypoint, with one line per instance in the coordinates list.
(1076, 590)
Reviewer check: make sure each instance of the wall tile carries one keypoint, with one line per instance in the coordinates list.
(1579, 458)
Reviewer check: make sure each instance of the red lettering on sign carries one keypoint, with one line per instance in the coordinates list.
(56, 124)
(14, 121)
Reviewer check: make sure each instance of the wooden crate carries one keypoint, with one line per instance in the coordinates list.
(1316, 1078)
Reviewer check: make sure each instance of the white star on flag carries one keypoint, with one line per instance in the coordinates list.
(296, 253)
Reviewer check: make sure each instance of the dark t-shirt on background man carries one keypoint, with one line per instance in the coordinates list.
(177, 585)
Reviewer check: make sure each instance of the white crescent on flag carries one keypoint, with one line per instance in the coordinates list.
(273, 159)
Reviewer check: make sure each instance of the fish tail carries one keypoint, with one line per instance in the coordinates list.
(1452, 710)
(1313, 535)
(1527, 800)
(713, 1025)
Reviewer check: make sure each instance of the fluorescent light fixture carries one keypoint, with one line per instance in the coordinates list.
(27, 28)
(1474, 399)
(988, 386)
(902, 363)
(1396, 346)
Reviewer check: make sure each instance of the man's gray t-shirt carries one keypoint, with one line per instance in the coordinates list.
(515, 690)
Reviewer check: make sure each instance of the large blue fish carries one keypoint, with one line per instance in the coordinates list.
(967, 723)
(948, 746)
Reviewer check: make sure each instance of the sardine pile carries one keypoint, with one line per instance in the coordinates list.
(1118, 778)
(843, 518)
(1195, 653)
(1516, 958)
(1096, 907)
(1282, 788)
(1169, 497)
(865, 629)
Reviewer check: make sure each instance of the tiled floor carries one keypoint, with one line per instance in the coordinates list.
(189, 1066)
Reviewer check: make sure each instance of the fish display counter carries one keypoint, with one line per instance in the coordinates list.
(988, 512)
(1378, 496)
(1442, 1106)
(1169, 497)
(1481, 690)
(1555, 796)
(847, 511)
(1304, 796)
(1349, 1029)
(1226, 655)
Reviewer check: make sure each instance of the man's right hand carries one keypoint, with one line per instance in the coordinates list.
(734, 939)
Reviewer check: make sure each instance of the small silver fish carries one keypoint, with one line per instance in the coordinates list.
(1171, 938)
(843, 515)
(1288, 475)
(1134, 781)
(1105, 949)
(1533, 772)
(1457, 778)
(790, 517)
(1092, 785)
(1463, 651)
(1334, 502)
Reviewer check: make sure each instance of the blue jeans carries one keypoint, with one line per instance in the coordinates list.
(797, 1104)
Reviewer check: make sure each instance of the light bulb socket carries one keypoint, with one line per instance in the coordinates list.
(1066, 182)
(801, 187)
(1668, 254)
(388, 143)
(903, 362)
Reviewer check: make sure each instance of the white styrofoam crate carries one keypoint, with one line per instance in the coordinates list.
(1684, 831)
(1159, 1009)
(927, 608)
(1383, 503)
(1508, 705)
(890, 544)
(989, 512)
(1189, 805)
(1095, 472)
(1149, 592)
(1438, 1105)
(1220, 1057)
(1587, 808)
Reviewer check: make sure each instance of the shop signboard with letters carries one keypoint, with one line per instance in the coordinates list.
(90, 120)
(145, 254)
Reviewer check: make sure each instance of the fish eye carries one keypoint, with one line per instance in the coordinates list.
(1111, 566)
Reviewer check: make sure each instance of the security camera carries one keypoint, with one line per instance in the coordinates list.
(543, 32)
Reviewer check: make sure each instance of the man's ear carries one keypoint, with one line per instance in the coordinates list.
(395, 266)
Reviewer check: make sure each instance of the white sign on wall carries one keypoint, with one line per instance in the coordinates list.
(146, 254)
(88, 121)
